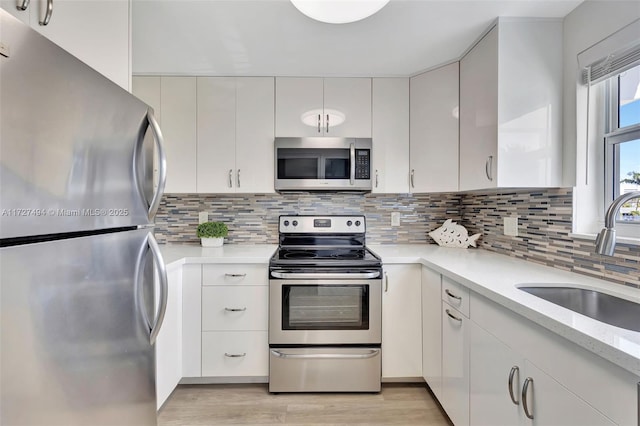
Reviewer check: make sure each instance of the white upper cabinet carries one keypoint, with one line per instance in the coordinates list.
(390, 135)
(338, 107)
(235, 134)
(511, 107)
(178, 109)
(96, 31)
(434, 130)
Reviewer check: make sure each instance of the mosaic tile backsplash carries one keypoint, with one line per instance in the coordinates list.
(544, 223)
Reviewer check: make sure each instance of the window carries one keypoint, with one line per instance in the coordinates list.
(622, 142)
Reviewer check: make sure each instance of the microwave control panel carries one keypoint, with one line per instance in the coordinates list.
(363, 163)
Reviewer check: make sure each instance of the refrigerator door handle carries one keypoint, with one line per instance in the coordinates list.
(162, 164)
(164, 288)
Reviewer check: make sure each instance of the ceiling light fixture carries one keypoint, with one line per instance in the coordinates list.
(339, 11)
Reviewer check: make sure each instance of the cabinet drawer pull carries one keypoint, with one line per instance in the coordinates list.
(386, 282)
(238, 174)
(24, 5)
(235, 309)
(413, 171)
(512, 373)
(327, 123)
(48, 13)
(451, 295)
(228, 355)
(525, 388)
(376, 178)
(453, 317)
(319, 123)
(235, 275)
(230, 178)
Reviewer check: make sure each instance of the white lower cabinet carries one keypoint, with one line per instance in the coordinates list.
(169, 341)
(432, 330)
(455, 365)
(235, 353)
(191, 321)
(401, 319)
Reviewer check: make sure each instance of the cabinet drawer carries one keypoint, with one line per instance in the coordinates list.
(235, 308)
(235, 274)
(456, 295)
(235, 353)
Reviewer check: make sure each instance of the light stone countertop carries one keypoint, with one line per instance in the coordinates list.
(492, 275)
(175, 255)
(497, 276)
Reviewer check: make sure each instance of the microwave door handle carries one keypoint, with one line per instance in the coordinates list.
(352, 171)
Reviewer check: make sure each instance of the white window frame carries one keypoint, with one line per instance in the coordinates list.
(613, 137)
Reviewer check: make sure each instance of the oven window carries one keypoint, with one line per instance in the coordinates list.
(325, 307)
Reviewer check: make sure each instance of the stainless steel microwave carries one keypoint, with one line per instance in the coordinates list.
(323, 164)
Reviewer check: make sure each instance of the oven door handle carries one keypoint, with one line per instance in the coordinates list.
(325, 276)
(369, 354)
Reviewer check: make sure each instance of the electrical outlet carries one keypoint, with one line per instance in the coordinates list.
(203, 217)
(395, 219)
(511, 226)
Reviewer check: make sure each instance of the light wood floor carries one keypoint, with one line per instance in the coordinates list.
(397, 404)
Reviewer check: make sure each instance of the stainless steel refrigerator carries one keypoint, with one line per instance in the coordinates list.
(79, 306)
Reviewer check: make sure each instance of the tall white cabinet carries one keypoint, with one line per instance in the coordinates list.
(390, 135)
(308, 106)
(235, 134)
(434, 130)
(96, 32)
(511, 107)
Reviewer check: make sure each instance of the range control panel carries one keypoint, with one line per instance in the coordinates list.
(322, 224)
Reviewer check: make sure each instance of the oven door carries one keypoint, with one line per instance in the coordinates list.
(325, 311)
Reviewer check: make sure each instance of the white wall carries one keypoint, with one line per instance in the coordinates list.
(586, 25)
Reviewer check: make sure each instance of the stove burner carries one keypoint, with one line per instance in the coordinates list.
(300, 254)
(348, 255)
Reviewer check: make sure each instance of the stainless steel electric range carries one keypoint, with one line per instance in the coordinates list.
(325, 307)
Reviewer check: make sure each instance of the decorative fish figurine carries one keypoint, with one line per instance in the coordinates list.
(450, 234)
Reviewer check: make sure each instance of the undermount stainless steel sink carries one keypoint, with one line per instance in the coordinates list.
(599, 306)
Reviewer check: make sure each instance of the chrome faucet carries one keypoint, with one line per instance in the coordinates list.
(606, 240)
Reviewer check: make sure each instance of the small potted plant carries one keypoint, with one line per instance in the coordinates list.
(212, 234)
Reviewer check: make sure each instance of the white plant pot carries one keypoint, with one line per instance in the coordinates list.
(212, 242)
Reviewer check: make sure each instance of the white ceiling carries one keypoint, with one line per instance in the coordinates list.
(271, 37)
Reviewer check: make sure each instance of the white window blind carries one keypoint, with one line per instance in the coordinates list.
(611, 56)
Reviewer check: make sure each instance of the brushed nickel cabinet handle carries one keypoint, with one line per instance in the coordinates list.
(525, 388)
(228, 355)
(412, 173)
(48, 13)
(319, 123)
(488, 166)
(235, 275)
(451, 295)
(235, 309)
(515, 369)
(327, 123)
(238, 174)
(24, 5)
(230, 178)
(376, 178)
(453, 317)
(386, 282)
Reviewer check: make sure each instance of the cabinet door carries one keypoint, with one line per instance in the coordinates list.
(216, 134)
(390, 135)
(178, 105)
(191, 320)
(455, 365)
(434, 130)
(479, 115)
(96, 32)
(432, 331)
(169, 341)
(352, 98)
(254, 134)
(552, 404)
(298, 98)
(401, 320)
(490, 365)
